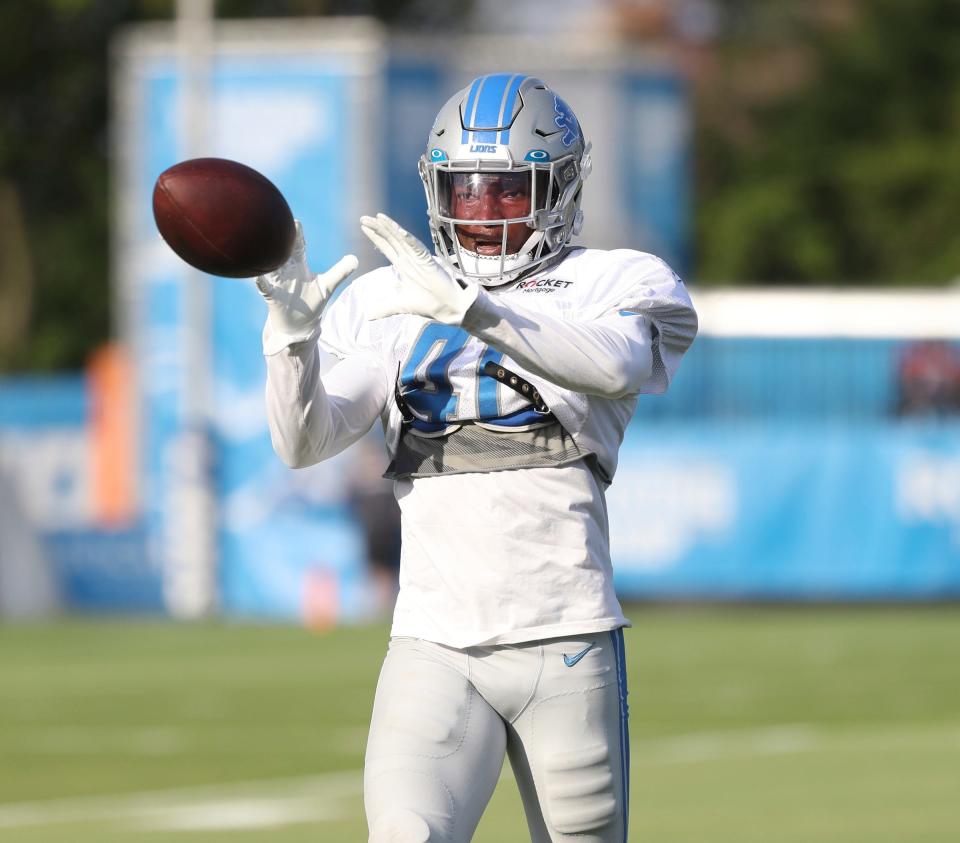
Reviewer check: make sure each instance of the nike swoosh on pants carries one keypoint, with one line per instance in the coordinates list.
(570, 661)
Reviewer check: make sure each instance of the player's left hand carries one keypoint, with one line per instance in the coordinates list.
(421, 286)
(295, 296)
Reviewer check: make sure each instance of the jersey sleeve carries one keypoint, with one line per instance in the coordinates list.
(324, 394)
(643, 286)
(626, 339)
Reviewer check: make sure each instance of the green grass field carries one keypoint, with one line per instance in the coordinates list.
(786, 725)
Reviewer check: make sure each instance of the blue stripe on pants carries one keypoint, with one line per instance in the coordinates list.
(616, 637)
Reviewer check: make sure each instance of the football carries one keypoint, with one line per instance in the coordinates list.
(223, 217)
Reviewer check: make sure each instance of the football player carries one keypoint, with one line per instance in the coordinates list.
(504, 367)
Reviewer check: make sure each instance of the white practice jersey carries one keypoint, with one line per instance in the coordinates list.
(502, 434)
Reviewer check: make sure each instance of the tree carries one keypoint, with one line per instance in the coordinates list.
(53, 173)
(854, 177)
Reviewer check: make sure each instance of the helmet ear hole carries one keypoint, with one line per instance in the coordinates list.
(586, 162)
(546, 191)
(577, 226)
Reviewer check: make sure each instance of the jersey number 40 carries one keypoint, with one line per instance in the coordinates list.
(433, 382)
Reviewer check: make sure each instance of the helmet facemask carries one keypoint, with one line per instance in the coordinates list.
(514, 217)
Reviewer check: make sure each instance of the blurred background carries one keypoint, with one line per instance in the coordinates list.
(785, 522)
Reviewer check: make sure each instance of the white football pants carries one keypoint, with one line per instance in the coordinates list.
(444, 718)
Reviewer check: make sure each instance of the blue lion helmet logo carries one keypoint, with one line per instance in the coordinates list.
(566, 120)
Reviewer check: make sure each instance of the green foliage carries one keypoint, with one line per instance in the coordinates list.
(54, 153)
(855, 176)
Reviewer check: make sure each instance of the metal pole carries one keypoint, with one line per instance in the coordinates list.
(190, 558)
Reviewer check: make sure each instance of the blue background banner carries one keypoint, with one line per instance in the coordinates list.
(699, 510)
(751, 510)
(289, 116)
(46, 452)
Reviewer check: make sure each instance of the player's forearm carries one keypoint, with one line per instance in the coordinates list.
(588, 358)
(318, 405)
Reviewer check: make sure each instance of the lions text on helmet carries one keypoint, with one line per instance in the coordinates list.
(503, 172)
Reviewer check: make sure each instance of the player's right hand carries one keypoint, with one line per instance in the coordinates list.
(295, 297)
(421, 285)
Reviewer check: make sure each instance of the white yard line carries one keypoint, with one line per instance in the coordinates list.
(277, 802)
(704, 746)
(787, 739)
(103, 740)
(229, 805)
(234, 814)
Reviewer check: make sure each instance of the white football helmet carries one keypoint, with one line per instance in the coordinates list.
(504, 135)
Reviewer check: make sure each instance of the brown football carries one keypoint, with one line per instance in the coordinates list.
(223, 217)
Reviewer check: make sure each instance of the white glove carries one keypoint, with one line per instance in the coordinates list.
(421, 286)
(295, 297)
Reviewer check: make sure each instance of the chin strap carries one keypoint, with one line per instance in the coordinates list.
(500, 268)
